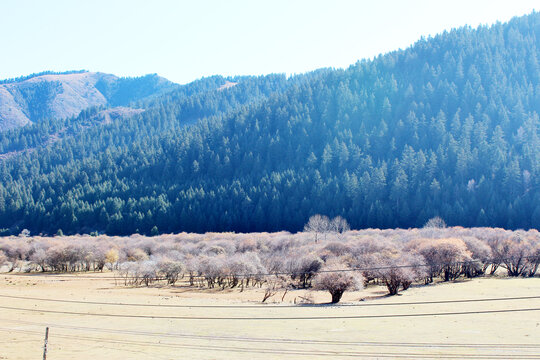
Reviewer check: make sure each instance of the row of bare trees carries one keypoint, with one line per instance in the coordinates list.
(322, 225)
(340, 261)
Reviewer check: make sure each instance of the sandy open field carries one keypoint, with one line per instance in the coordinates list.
(185, 328)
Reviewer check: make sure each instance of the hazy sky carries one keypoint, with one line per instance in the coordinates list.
(185, 40)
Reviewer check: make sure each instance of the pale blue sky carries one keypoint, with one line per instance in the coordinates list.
(185, 40)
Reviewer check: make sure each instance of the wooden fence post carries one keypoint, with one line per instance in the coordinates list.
(45, 344)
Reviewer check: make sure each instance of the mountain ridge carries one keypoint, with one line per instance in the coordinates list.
(448, 127)
(63, 95)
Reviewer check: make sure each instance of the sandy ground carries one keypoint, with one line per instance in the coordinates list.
(75, 334)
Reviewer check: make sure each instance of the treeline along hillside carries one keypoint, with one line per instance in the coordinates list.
(448, 127)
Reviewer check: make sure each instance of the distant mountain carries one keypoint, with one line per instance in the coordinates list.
(61, 95)
(449, 127)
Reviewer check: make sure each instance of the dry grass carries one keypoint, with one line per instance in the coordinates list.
(70, 336)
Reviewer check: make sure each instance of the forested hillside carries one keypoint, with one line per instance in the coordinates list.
(447, 127)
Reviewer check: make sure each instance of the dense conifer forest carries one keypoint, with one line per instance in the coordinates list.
(448, 127)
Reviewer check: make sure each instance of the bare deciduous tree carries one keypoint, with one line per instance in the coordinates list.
(435, 222)
(39, 258)
(273, 285)
(304, 268)
(480, 253)
(517, 255)
(171, 270)
(400, 269)
(111, 258)
(25, 233)
(148, 271)
(339, 226)
(318, 224)
(335, 281)
(445, 257)
(3, 258)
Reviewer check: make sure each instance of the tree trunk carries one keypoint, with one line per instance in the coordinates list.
(336, 296)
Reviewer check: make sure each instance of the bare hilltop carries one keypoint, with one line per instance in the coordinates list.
(30, 99)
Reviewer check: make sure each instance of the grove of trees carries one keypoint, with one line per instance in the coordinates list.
(284, 261)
